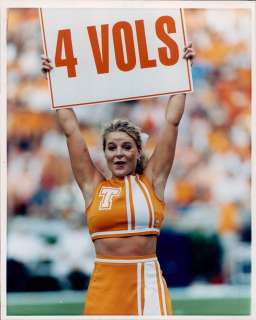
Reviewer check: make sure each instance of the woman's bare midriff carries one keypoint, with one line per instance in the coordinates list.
(126, 246)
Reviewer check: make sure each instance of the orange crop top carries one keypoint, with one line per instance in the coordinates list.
(124, 207)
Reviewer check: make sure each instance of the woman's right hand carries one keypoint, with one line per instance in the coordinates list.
(46, 64)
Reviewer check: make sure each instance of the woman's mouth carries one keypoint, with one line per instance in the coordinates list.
(119, 164)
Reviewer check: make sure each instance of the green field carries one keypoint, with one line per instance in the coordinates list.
(71, 303)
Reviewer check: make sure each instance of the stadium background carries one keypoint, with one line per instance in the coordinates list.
(204, 247)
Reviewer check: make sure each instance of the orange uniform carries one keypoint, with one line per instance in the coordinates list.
(126, 285)
(125, 207)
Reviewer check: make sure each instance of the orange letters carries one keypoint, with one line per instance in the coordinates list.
(101, 58)
(119, 47)
(142, 45)
(171, 44)
(124, 46)
(64, 39)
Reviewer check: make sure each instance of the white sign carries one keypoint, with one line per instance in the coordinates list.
(112, 54)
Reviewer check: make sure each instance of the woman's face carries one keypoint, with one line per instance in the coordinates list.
(121, 154)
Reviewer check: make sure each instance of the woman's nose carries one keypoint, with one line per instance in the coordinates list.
(119, 152)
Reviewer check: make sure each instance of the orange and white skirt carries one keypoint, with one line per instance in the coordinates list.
(127, 286)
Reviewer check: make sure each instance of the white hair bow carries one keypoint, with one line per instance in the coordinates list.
(144, 138)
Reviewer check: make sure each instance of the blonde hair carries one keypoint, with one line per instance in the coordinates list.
(133, 131)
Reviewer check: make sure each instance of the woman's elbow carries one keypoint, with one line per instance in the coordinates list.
(173, 121)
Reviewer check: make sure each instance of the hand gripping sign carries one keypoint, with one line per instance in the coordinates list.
(106, 55)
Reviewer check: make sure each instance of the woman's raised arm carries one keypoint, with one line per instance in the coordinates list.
(160, 163)
(84, 170)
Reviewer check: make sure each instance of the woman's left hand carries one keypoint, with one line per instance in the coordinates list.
(189, 53)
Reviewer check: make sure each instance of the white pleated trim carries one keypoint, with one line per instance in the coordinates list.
(151, 294)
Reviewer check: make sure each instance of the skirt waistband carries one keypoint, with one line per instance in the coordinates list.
(125, 259)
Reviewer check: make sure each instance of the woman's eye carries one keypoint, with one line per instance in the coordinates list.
(127, 147)
(111, 148)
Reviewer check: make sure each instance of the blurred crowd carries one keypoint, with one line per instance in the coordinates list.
(208, 190)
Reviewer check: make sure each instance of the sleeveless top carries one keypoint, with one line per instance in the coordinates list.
(124, 207)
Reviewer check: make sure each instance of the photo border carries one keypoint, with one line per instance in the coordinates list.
(5, 5)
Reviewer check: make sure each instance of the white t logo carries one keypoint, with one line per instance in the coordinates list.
(107, 194)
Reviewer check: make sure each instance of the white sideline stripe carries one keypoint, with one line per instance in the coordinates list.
(125, 260)
(127, 201)
(149, 199)
(225, 292)
(124, 231)
(139, 289)
(162, 288)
